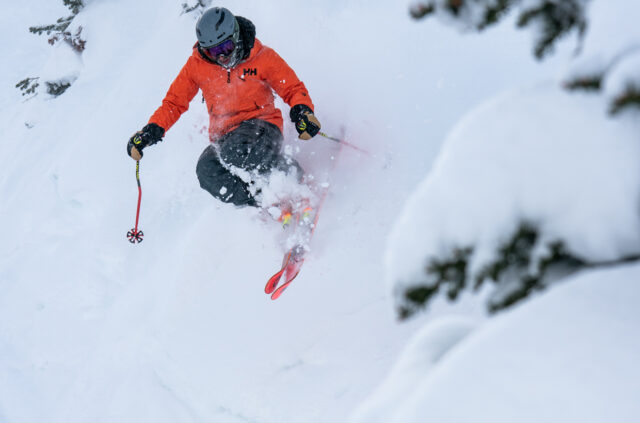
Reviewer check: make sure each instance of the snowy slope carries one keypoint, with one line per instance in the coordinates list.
(567, 356)
(177, 328)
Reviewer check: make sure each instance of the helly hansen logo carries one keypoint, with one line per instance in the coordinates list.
(250, 71)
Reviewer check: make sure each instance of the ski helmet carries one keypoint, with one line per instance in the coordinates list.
(216, 27)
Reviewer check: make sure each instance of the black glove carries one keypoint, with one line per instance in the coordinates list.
(149, 135)
(306, 122)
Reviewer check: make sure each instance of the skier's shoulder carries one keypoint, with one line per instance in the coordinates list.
(260, 49)
(265, 53)
(195, 56)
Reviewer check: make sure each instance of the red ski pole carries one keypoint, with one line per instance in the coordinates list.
(134, 235)
(339, 141)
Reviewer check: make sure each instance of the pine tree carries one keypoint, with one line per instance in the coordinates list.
(57, 32)
(629, 99)
(59, 29)
(28, 85)
(550, 19)
(519, 268)
(516, 272)
(198, 7)
(523, 265)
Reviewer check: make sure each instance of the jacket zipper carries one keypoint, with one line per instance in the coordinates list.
(228, 76)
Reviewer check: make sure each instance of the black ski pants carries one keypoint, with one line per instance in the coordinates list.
(254, 146)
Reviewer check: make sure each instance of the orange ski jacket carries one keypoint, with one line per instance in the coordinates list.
(233, 95)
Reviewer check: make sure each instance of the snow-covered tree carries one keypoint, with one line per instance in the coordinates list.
(513, 174)
(58, 31)
(550, 21)
(197, 7)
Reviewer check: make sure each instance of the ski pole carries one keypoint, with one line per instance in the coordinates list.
(339, 141)
(134, 235)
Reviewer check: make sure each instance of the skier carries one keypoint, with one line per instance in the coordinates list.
(237, 75)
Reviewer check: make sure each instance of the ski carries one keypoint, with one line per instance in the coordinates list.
(275, 279)
(294, 258)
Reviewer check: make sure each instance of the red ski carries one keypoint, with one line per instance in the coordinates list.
(275, 279)
(294, 258)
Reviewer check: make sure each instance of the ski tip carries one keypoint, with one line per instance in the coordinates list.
(273, 282)
(276, 294)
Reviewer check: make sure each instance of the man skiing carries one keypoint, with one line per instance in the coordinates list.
(237, 75)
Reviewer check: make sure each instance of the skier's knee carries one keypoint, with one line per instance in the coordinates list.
(226, 190)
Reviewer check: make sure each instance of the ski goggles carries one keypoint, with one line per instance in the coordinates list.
(225, 48)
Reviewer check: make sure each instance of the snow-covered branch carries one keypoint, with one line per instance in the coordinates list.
(521, 195)
(550, 20)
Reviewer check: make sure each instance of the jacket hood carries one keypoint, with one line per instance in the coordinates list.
(247, 35)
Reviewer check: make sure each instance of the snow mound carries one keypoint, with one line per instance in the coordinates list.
(420, 356)
(568, 356)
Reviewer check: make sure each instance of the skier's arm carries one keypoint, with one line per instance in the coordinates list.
(286, 84)
(175, 103)
(177, 100)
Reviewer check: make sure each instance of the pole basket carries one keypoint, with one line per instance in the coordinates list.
(135, 236)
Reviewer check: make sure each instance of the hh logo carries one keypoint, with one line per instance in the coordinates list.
(250, 71)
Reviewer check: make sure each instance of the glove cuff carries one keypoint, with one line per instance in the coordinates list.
(156, 132)
(297, 112)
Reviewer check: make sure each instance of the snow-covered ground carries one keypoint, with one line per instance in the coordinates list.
(178, 328)
(567, 356)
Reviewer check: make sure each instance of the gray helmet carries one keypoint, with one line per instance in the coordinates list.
(215, 25)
